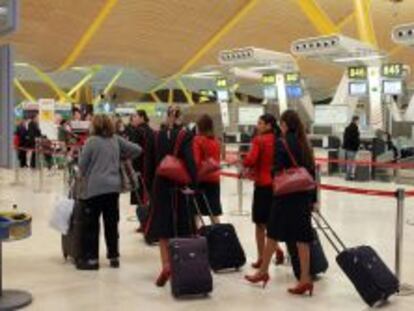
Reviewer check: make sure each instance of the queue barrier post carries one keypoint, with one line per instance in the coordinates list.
(240, 211)
(405, 289)
(16, 168)
(39, 164)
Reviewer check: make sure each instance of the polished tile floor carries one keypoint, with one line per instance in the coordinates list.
(36, 264)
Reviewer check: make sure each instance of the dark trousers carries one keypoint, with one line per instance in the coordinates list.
(22, 155)
(108, 206)
(33, 160)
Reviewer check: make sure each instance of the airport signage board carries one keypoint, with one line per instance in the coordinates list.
(269, 79)
(221, 83)
(292, 78)
(248, 115)
(357, 73)
(392, 70)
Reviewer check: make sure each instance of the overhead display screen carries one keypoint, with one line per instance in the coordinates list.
(294, 91)
(270, 92)
(357, 73)
(223, 95)
(358, 88)
(392, 87)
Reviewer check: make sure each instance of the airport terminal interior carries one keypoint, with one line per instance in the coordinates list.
(289, 120)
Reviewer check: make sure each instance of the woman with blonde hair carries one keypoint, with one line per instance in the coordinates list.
(99, 165)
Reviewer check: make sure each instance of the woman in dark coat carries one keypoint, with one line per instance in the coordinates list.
(170, 215)
(139, 132)
(33, 133)
(290, 216)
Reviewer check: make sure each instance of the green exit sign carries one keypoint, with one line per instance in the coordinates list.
(359, 73)
(392, 70)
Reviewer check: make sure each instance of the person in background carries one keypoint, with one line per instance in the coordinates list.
(390, 145)
(290, 216)
(33, 134)
(260, 161)
(170, 215)
(205, 146)
(119, 127)
(139, 132)
(22, 135)
(76, 114)
(351, 142)
(99, 165)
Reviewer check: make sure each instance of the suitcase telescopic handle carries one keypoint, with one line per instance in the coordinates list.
(327, 230)
(198, 211)
(207, 204)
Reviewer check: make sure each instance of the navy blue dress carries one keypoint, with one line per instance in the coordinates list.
(171, 213)
(290, 216)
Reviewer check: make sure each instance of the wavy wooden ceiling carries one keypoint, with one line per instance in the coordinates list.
(159, 36)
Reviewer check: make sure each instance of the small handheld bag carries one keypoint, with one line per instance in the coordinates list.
(292, 180)
(172, 167)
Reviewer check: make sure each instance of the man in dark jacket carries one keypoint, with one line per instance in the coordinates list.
(33, 133)
(351, 146)
(22, 134)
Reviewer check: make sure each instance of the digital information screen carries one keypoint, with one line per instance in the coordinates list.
(392, 87)
(223, 95)
(294, 91)
(357, 73)
(270, 92)
(358, 88)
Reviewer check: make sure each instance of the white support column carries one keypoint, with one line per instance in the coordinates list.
(376, 120)
(281, 92)
(6, 107)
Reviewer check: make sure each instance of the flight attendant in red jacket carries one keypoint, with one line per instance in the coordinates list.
(259, 161)
(205, 146)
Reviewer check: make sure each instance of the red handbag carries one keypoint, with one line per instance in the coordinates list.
(208, 167)
(172, 167)
(293, 180)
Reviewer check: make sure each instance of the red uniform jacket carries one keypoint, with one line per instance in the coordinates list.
(207, 147)
(260, 159)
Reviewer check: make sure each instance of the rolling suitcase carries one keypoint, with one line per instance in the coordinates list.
(318, 262)
(190, 269)
(70, 241)
(370, 276)
(224, 248)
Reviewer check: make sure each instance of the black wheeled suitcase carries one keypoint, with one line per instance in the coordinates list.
(371, 277)
(318, 262)
(83, 235)
(71, 240)
(224, 248)
(190, 268)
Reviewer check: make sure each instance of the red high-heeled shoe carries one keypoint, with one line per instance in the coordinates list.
(302, 289)
(257, 264)
(257, 278)
(163, 277)
(280, 257)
